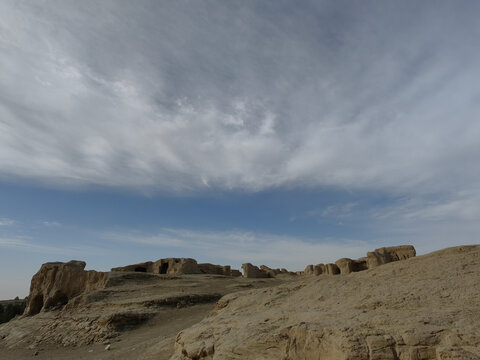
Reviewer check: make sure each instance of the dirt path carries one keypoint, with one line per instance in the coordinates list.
(152, 340)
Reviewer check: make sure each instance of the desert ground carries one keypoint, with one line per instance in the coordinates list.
(422, 308)
(139, 315)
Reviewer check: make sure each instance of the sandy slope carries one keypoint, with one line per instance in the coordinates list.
(422, 308)
(143, 311)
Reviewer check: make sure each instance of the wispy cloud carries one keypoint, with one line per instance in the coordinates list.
(339, 211)
(459, 206)
(30, 246)
(375, 97)
(6, 222)
(364, 101)
(38, 244)
(51, 223)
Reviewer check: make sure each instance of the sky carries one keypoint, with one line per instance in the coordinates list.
(273, 132)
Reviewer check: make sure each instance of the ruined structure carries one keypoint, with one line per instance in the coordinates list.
(178, 266)
(252, 271)
(341, 266)
(373, 259)
(388, 254)
(57, 282)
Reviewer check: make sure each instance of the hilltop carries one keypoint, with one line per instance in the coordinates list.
(388, 305)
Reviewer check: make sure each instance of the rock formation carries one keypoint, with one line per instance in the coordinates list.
(332, 269)
(309, 270)
(127, 301)
(178, 266)
(348, 266)
(218, 270)
(426, 308)
(373, 259)
(388, 254)
(313, 270)
(235, 273)
(57, 282)
(345, 265)
(140, 267)
(319, 269)
(252, 271)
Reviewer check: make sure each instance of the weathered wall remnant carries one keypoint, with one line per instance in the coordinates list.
(374, 258)
(140, 267)
(57, 282)
(385, 255)
(252, 271)
(178, 266)
(348, 266)
(235, 273)
(332, 269)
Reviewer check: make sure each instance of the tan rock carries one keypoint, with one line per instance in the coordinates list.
(345, 265)
(214, 269)
(56, 283)
(176, 266)
(400, 311)
(360, 264)
(140, 267)
(308, 270)
(348, 266)
(235, 273)
(319, 269)
(252, 271)
(375, 258)
(170, 266)
(389, 254)
(270, 272)
(128, 300)
(332, 269)
(313, 270)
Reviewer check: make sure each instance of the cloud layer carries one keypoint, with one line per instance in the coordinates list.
(186, 96)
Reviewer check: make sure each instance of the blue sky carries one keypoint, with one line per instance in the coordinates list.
(276, 132)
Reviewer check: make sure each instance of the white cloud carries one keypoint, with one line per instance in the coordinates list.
(51, 223)
(30, 246)
(460, 206)
(6, 222)
(339, 211)
(168, 97)
(352, 106)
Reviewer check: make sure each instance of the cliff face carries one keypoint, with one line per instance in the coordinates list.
(423, 308)
(56, 283)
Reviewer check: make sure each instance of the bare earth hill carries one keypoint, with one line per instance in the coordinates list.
(421, 308)
(415, 308)
(138, 314)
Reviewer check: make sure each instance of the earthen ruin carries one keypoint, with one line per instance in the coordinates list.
(373, 259)
(178, 266)
(55, 284)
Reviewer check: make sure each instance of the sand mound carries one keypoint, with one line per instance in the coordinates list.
(422, 308)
